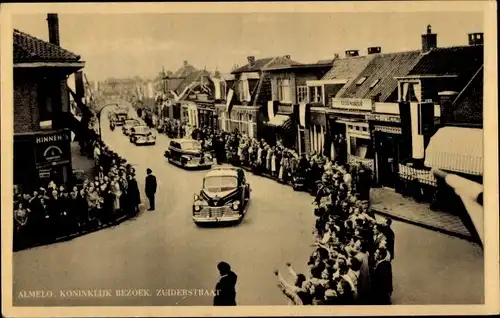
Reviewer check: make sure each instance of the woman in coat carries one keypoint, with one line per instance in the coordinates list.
(134, 197)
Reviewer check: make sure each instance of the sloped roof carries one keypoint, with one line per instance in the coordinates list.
(347, 68)
(468, 106)
(382, 67)
(184, 71)
(268, 62)
(457, 60)
(29, 49)
(191, 78)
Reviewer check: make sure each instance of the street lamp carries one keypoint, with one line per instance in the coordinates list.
(99, 117)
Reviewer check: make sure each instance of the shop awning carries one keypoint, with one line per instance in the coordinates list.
(281, 121)
(456, 149)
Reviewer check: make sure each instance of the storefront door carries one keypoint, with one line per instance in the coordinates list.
(387, 159)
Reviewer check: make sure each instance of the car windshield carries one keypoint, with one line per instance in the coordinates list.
(142, 130)
(131, 122)
(220, 183)
(191, 145)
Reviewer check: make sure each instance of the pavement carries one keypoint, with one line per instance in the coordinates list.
(163, 250)
(391, 204)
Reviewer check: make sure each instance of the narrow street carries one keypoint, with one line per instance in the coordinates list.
(165, 250)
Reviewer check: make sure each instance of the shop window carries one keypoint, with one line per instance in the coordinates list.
(361, 148)
(302, 94)
(284, 91)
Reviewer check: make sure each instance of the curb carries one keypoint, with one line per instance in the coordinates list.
(405, 220)
(424, 225)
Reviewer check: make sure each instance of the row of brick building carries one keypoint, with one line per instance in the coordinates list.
(394, 112)
(44, 120)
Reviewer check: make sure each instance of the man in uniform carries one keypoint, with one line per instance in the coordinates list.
(151, 189)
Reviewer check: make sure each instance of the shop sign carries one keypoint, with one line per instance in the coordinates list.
(384, 118)
(53, 149)
(352, 103)
(44, 173)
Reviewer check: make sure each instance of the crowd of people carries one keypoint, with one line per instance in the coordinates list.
(351, 262)
(56, 210)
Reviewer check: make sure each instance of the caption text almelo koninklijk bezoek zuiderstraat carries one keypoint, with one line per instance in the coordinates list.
(117, 292)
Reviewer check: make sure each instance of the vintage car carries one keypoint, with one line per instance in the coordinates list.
(118, 118)
(142, 135)
(129, 124)
(188, 153)
(224, 196)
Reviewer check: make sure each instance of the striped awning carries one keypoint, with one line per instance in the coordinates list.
(280, 121)
(456, 149)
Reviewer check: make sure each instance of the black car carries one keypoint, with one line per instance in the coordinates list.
(118, 118)
(188, 153)
(142, 135)
(224, 196)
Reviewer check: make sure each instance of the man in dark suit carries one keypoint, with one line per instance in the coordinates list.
(381, 279)
(226, 287)
(151, 189)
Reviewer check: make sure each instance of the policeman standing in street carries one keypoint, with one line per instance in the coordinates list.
(151, 186)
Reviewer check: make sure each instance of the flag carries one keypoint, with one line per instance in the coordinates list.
(302, 114)
(229, 102)
(270, 109)
(150, 91)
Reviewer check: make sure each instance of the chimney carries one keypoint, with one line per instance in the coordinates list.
(53, 22)
(251, 60)
(446, 106)
(429, 40)
(374, 50)
(287, 57)
(186, 63)
(476, 38)
(351, 53)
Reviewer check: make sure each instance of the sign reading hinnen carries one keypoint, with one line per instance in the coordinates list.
(352, 103)
(53, 149)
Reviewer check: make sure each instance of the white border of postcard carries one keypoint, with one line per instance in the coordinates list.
(491, 247)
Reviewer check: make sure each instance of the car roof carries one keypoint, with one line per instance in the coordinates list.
(222, 172)
(183, 140)
(141, 126)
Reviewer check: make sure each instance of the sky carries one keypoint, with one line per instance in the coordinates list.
(127, 45)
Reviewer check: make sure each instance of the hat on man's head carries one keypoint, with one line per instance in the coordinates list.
(149, 171)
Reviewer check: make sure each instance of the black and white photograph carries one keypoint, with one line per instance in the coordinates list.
(201, 158)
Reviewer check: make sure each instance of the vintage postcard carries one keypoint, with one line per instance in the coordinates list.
(249, 159)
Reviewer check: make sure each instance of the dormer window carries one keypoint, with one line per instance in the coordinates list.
(375, 82)
(361, 81)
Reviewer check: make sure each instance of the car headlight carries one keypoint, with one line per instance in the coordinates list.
(197, 208)
(200, 203)
(236, 205)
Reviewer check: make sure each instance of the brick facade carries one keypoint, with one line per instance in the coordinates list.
(26, 114)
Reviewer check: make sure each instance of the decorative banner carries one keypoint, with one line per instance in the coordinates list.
(229, 101)
(270, 109)
(302, 114)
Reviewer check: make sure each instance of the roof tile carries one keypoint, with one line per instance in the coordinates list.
(383, 67)
(29, 49)
(265, 63)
